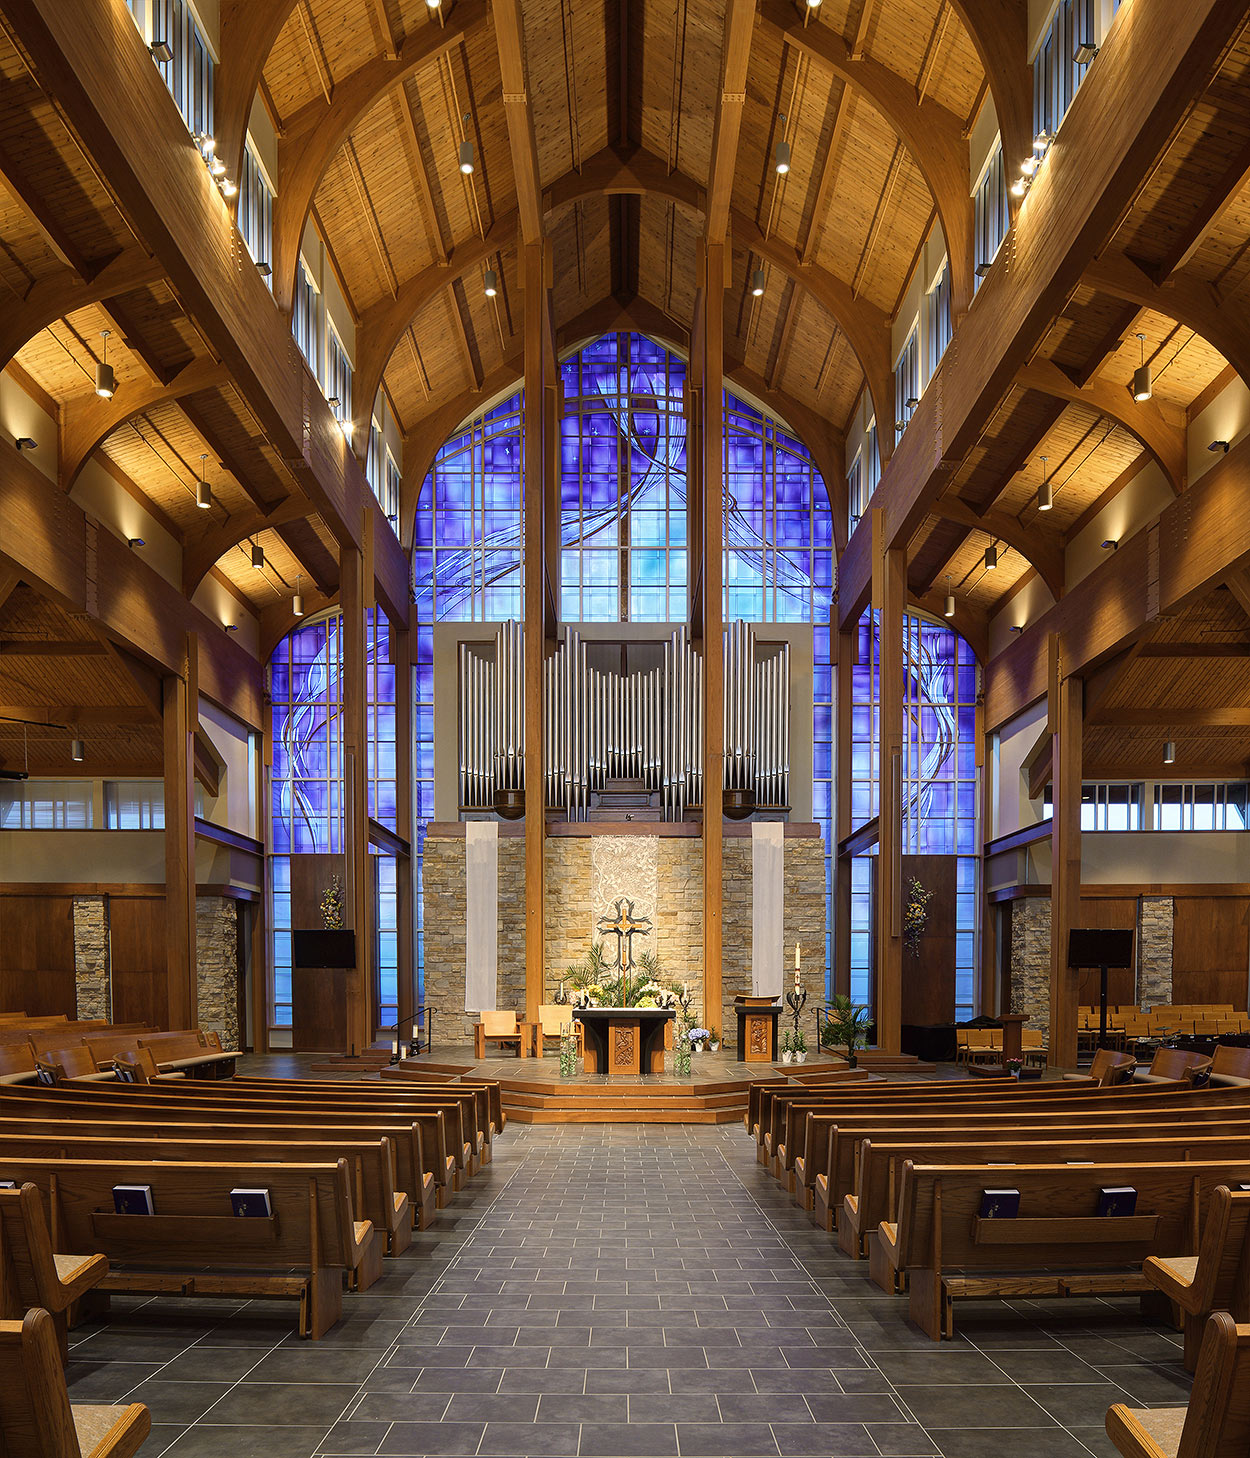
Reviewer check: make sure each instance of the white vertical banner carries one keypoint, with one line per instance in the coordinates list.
(481, 914)
(768, 900)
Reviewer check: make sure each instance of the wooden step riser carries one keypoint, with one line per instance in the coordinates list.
(625, 1116)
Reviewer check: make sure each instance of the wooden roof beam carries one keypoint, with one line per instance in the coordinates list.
(202, 553)
(1041, 550)
(44, 218)
(932, 135)
(1000, 34)
(1120, 328)
(1139, 89)
(1179, 716)
(735, 61)
(519, 111)
(1211, 210)
(228, 458)
(314, 558)
(248, 31)
(314, 135)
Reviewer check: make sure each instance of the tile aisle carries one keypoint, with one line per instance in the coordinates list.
(625, 1291)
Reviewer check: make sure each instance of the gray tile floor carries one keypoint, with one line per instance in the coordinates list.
(625, 1290)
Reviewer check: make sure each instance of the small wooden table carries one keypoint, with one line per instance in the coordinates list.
(757, 1028)
(524, 1036)
(624, 1039)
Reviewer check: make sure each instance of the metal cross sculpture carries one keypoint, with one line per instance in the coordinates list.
(621, 923)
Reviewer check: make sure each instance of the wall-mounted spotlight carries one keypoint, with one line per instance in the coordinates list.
(1216, 445)
(757, 282)
(1084, 52)
(948, 610)
(1110, 544)
(258, 557)
(105, 384)
(332, 401)
(982, 269)
(490, 283)
(1143, 385)
(133, 542)
(466, 150)
(231, 627)
(203, 491)
(1169, 752)
(24, 443)
(1045, 492)
(991, 557)
(263, 268)
(1016, 628)
(77, 750)
(228, 188)
(161, 51)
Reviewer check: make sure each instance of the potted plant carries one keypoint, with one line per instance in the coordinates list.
(800, 1047)
(698, 1037)
(787, 1046)
(849, 1024)
(1014, 1066)
(714, 1040)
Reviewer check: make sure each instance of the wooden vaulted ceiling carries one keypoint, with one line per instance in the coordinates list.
(369, 99)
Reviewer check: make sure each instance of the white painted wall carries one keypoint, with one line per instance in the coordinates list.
(1013, 810)
(1021, 609)
(20, 415)
(1133, 508)
(235, 806)
(1227, 417)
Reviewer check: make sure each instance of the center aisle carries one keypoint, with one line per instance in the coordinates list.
(625, 1290)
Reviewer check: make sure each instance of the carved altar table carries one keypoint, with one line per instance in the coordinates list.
(624, 1039)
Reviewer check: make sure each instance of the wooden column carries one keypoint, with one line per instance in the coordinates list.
(986, 994)
(356, 598)
(711, 434)
(1064, 706)
(401, 647)
(889, 587)
(844, 647)
(261, 950)
(180, 716)
(538, 448)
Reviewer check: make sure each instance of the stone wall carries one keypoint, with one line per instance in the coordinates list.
(442, 879)
(679, 914)
(511, 983)
(1030, 959)
(217, 966)
(567, 906)
(92, 996)
(1154, 950)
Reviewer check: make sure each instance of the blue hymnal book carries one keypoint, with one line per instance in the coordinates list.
(46, 1075)
(999, 1204)
(125, 1072)
(133, 1200)
(1117, 1200)
(8, 1184)
(251, 1204)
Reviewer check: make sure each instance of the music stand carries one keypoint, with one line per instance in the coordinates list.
(1101, 948)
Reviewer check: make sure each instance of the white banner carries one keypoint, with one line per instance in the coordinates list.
(768, 900)
(481, 913)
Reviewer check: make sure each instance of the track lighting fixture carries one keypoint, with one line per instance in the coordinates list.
(258, 557)
(466, 149)
(948, 611)
(297, 601)
(77, 750)
(757, 282)
(203, 491)
(161, 51)
(782, 155)
(490, 284)
(1084, 52)
(104, 381)
(1169, 752)
(24, 443)
(1143, 385)
(991, 557)
(1216, 445)
(1045, 493)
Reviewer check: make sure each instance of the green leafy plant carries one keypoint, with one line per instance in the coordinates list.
(800, 1042)
(787, 1041)
(847, 1025)
(828, 1035)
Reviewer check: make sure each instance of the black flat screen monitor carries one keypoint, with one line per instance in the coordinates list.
(1088, 947)
(320, 947)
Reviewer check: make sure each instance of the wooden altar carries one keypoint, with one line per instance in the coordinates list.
(622, 1040)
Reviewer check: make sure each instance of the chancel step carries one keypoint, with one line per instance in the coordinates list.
(720, 1102)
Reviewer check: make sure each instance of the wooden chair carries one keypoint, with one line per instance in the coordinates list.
(1218, 1277)
(1033, 1046)
(1215, 1424)
(554, 1018)
(31, 1274)
(501, 1027)
(38, 1420)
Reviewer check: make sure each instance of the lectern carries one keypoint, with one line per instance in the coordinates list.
(757, 1028)
(323, 969)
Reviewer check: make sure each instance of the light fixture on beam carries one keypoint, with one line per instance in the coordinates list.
(912, 401)
(25, 443)
(203, 491)
(77, 750)
(1019, 187)
(1110, 544)
(258, 557)
(1143, 385)
(161, 51)
(231, 627)
(1216, 445)
(263, 268)
(490, 283)
(332, 401)
(1084, 52)
(982, 269)
(757, 282)
(105, 383)
(297, 601)
(781, 158)
(991, 557)
(1016, 628)
(1169, 752)
(948, 611)
(1045, 492)
(466, 150)
(133, 542)
(228, 188)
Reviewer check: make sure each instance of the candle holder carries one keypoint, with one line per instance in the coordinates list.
(796, 1000)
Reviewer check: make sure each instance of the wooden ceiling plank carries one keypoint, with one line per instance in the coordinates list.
(228, 457)
(1120, 328)
(45, 219)
(828, 175)
(1042, 550)
(420, 174)
(1180, 716)
(390, 46)
(1216, 204)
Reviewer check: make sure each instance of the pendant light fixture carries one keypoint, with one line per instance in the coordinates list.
(782, 156)
(77, 750)
(297, 601)
(1169, 752)
(1143, 385)
(757, 282)
(466, 149)
(490, 283)
(1045, 493)
(203, 491)
(991, 557)
(258, 557)
(104, 382)
(949, 610)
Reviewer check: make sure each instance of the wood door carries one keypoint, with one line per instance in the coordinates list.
(138, 960)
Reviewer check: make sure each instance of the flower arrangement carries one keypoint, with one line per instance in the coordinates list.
(332, 906)
(681, 1046)
(915, 914)
(698, 1036)
(568, 1051)
(1014, 1066)
(596, 983)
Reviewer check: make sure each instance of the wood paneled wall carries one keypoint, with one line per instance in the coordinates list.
(137, 936)
(929, 980)
(1114, 913)
(37, 954)
(1211, 949)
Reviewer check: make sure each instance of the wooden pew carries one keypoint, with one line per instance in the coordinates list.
(32, 1273)
(37, 1418)
(1174, 1065)
(1217, 1278)
(880, 1164)
(418, 1138)
(1164, 1102)
(1230, 1067)
(183, 1052)
(195, 1246)
(1109, 1067)
(370, 1161)
(1216, 1422)
(17, 1064)
(948, 1252)
(71, 1065)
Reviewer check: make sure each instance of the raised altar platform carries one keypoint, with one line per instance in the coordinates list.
(624, 1040)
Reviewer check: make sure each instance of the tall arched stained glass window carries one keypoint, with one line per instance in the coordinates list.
(939, 783)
